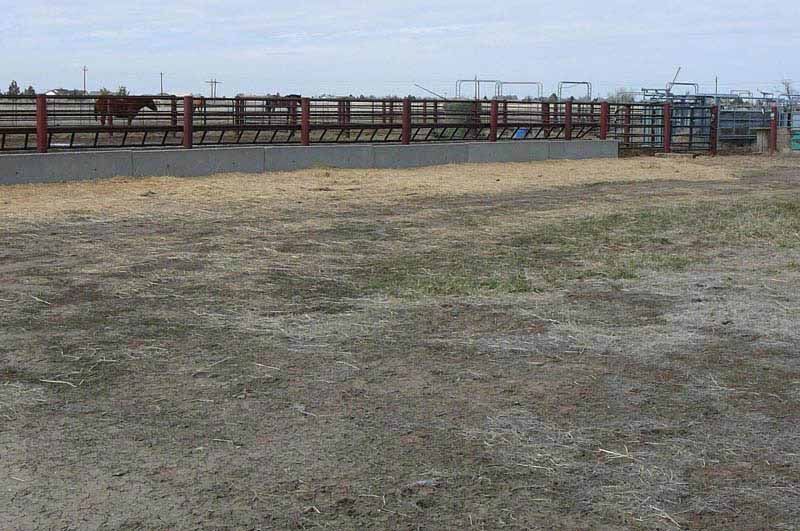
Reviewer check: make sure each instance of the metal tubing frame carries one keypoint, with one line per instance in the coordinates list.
(477, 83)
(672, 84)
(567, 84)
(499, 92)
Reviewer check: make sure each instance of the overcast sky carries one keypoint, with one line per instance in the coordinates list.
(378, 47)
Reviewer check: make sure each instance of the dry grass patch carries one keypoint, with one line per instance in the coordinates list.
(595, 344)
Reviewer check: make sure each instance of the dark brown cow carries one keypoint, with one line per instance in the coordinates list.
(127, 107)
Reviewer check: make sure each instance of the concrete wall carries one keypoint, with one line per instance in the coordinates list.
(287, 158)
(53, 167)
(73, 166)
(197, 162)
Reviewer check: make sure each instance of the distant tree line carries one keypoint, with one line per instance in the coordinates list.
(121, 91)
(14, 90)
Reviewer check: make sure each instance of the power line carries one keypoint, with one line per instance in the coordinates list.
(213, 82)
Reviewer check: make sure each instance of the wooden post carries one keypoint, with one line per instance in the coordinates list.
(568, 120)
(305, 121)
(406, 134)
(667, 128)
(604, 118)
(188, 121)
(42, 142)
(493, 121)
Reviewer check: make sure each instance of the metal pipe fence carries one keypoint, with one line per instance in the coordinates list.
(107, 122)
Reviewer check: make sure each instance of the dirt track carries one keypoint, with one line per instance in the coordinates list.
(594, 344)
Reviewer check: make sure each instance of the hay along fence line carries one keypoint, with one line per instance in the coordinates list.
(44, 123)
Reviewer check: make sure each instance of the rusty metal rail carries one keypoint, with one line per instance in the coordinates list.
(74, 122)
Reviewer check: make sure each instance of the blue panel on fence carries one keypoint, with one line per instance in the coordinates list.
(521, 133)
(796, 139)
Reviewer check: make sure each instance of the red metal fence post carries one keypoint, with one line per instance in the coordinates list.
(667, 128)
(406, 135)
(712, 134)
(173, 112)
(239, 105)
(188, 121)
(604, 116)
(475, 119)
(568, 120)
(305, 121)
(493, 115)
(773, 131)
(346, 117)
(293, 112)
(41, 124)
(546, 119)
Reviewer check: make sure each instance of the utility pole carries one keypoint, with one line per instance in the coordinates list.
(84, 69)
(162, 84)
(213, 82)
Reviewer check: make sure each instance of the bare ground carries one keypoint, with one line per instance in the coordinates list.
(593, 345)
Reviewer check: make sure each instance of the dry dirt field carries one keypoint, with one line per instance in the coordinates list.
(559, 345)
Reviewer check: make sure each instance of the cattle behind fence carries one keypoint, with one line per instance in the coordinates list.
(77, 122)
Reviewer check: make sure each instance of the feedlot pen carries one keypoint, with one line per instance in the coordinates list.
(76, 122)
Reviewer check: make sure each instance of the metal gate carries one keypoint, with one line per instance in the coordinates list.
(645, 127)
